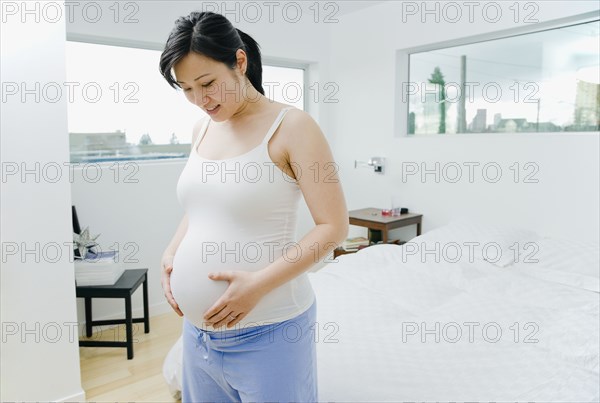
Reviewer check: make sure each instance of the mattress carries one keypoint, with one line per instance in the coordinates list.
(398, 326)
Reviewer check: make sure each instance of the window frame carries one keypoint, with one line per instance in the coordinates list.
(402, 71)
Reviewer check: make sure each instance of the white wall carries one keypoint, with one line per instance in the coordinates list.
(564, 203)
(40, 356)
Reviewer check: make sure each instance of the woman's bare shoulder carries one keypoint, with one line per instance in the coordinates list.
(296, 116)
(300, 134)
(298, 121)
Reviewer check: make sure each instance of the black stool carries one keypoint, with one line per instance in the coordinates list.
(125, 286)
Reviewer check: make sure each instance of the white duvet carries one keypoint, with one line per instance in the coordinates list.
(511, 333)
(394, 325)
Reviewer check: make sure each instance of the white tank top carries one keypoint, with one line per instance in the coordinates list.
(242, 214)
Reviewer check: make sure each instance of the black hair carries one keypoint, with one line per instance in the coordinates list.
(211, 35)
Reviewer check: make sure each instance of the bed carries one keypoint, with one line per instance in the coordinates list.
(465, 312)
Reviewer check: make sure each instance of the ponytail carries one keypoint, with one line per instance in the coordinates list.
(211, 35)
(254, 72)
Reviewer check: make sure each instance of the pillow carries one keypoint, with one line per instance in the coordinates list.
(573, 263)
(497, 244)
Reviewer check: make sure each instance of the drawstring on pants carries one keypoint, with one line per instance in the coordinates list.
(205, 337)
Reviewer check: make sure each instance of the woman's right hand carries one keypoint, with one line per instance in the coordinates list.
(165, 279)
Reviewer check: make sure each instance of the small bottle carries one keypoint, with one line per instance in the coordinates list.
(395, 210)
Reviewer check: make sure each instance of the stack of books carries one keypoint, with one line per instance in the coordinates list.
(101, 268)
(355, 243)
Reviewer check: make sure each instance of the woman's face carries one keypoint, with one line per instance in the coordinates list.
(208, 83)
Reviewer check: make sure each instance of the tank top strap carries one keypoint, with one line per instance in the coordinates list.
(275, 125)
(201, 134)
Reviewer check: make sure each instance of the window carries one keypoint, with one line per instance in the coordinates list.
(121, 108)
(546, 81)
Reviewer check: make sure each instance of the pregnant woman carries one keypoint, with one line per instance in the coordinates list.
(233, 269)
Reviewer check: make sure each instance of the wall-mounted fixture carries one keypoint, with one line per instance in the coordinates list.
(378, 164)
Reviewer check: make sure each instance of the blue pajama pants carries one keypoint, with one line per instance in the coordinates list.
(271, 363)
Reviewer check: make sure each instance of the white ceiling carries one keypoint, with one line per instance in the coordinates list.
(346, 7)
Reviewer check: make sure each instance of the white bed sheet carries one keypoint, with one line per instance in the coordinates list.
(367, 302)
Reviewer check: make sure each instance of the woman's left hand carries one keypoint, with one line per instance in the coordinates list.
(237, 301)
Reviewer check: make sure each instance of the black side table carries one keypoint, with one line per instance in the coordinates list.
(125, 286)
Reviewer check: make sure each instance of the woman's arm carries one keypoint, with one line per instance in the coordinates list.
(313, 165)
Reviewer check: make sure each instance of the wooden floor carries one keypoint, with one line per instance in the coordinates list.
(107, 374)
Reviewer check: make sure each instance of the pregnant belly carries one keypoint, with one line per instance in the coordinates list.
(193, 291)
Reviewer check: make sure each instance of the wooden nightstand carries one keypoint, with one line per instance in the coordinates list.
(378, 225)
